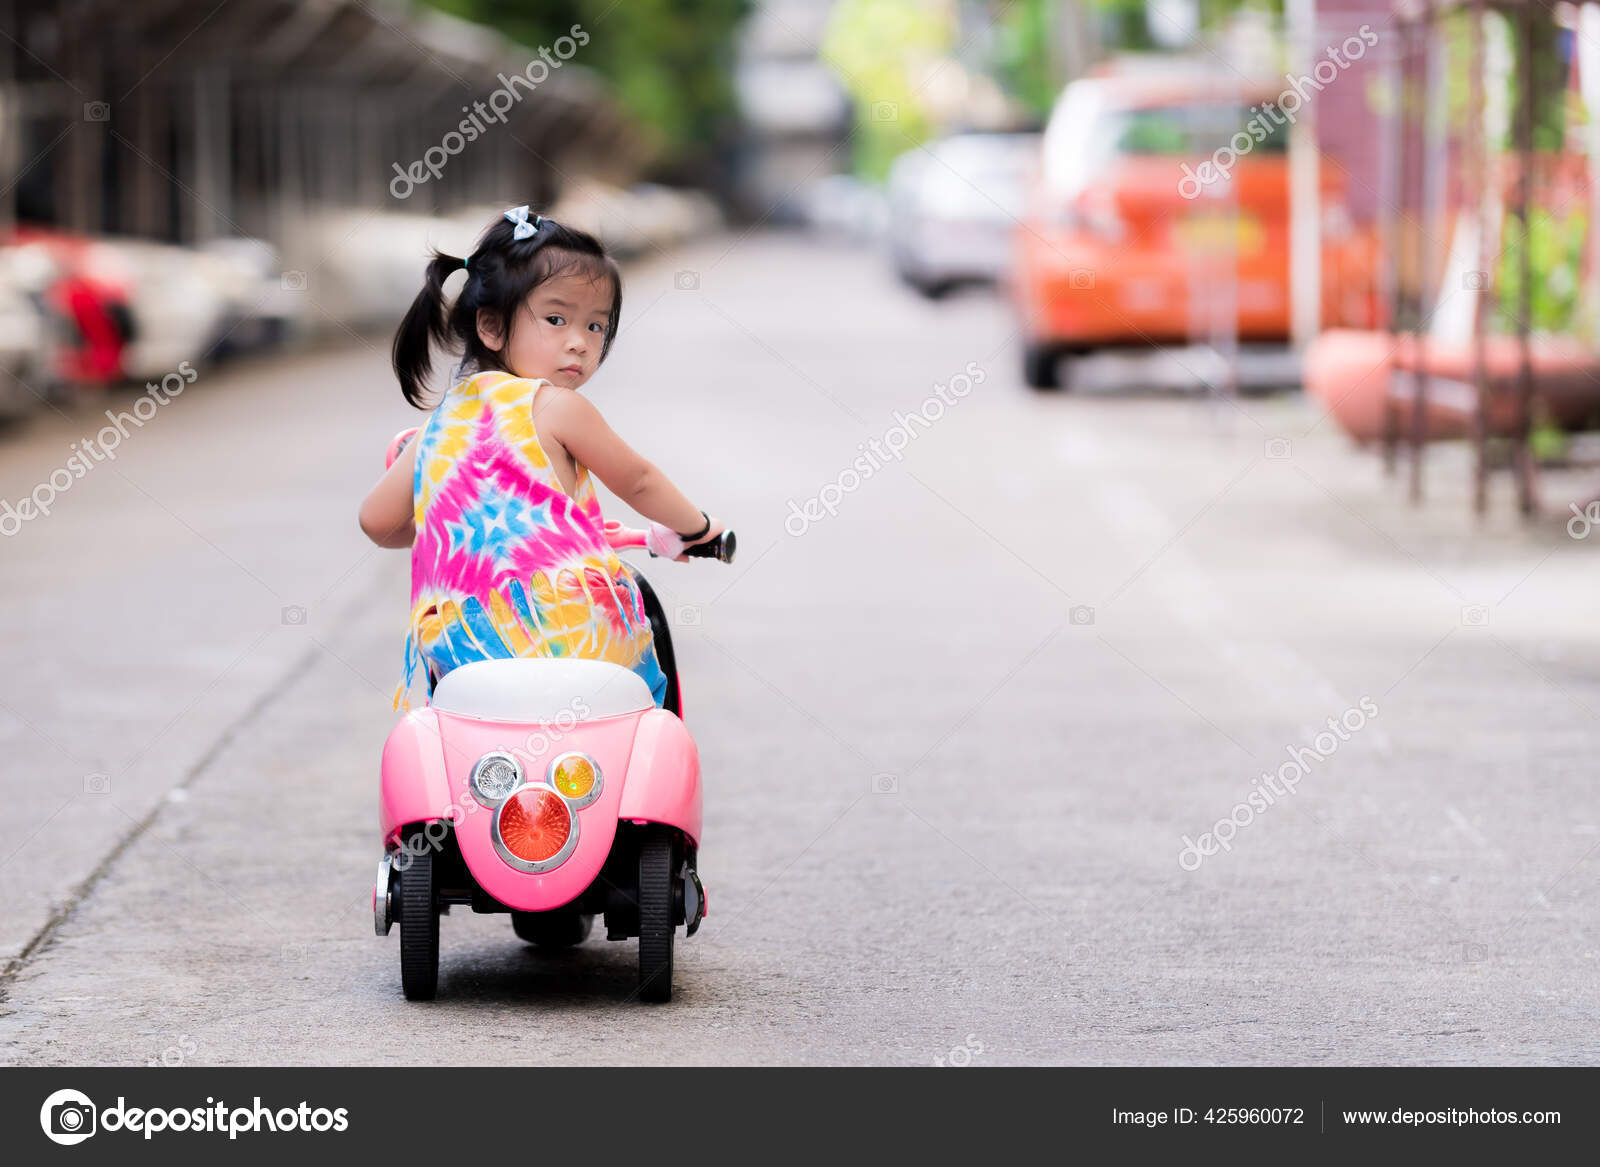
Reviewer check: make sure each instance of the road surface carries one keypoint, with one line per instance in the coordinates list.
(956, 725)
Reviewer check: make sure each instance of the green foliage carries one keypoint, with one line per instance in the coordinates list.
(876, 48)
(1555, 104)
(1126, 23)
(1557, 260)
(669, 61)
(1549, 75)
(1548, 441)
(1123, 24)
(1024, 61)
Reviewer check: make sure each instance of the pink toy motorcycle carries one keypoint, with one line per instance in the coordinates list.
(552, 789)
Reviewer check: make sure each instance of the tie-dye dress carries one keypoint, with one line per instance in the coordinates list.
(506, 563)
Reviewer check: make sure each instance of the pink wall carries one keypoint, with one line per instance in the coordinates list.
(1348, 126)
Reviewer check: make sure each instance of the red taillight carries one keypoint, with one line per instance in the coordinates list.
(535, 824)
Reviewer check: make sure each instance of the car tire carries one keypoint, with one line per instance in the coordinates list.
(1041, 366)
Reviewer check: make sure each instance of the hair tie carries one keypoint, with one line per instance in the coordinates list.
(464, 260)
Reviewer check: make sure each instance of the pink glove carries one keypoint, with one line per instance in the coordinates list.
(664, 541)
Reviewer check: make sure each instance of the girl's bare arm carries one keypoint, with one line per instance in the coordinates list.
(387, 515)
(570, 420)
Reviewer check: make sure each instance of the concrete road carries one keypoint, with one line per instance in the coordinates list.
(955, 732)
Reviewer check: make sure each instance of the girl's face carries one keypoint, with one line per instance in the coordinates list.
(558, 333)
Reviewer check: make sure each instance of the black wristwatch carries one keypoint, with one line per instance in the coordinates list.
(701, 533)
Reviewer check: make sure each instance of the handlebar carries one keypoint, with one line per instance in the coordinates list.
(722, 547)
(621, 537)
(398, 443)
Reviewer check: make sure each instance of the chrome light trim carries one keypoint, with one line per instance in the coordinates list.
(482, 796)
(543, 865)
(594, 791)
(694, 901)
(383, 896)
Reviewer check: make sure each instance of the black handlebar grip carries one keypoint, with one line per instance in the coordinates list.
(722, 547)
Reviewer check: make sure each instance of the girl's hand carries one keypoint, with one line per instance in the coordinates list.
(717, 527)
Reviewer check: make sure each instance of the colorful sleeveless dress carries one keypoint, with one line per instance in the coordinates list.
(506, 563)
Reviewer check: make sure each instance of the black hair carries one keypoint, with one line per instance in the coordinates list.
(500, 275)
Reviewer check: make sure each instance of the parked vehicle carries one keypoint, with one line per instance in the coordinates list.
(953, 206)
(28, 340)
(90, 321)
(178, 299)
(261, 308)
(1137, 233)
(843, 207)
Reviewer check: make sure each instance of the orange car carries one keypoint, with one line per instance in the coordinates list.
(1146, 227)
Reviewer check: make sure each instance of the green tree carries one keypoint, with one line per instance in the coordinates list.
(1126, 23)
(670, 62)
(879, 50)
(1024, 59)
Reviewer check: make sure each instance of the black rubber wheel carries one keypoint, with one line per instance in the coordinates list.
(658, 866)
(552, 929)
(419, 927)
(1041, 366)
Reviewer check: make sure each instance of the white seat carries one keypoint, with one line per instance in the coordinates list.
(541, 689)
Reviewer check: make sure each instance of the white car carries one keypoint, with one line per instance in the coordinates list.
(953, 206)
(27, 341)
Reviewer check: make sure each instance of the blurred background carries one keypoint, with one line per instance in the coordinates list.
(1408, 207)
(1279, 325)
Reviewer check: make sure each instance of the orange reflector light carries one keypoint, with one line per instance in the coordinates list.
(534, 824)
(573, 776)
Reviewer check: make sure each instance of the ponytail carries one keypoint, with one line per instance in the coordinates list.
(424, 326)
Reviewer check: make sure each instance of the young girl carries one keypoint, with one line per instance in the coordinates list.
(508, 550)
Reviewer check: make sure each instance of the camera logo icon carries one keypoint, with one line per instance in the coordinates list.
(68, 1117)
(1080, 279)
(686, 280)
(1279, 449)
(294, 614)
(1475, 281)
(688, 615)
(96, 111)
(1080, 614)
(294, 281)
(1475, 616)
(885, 111)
